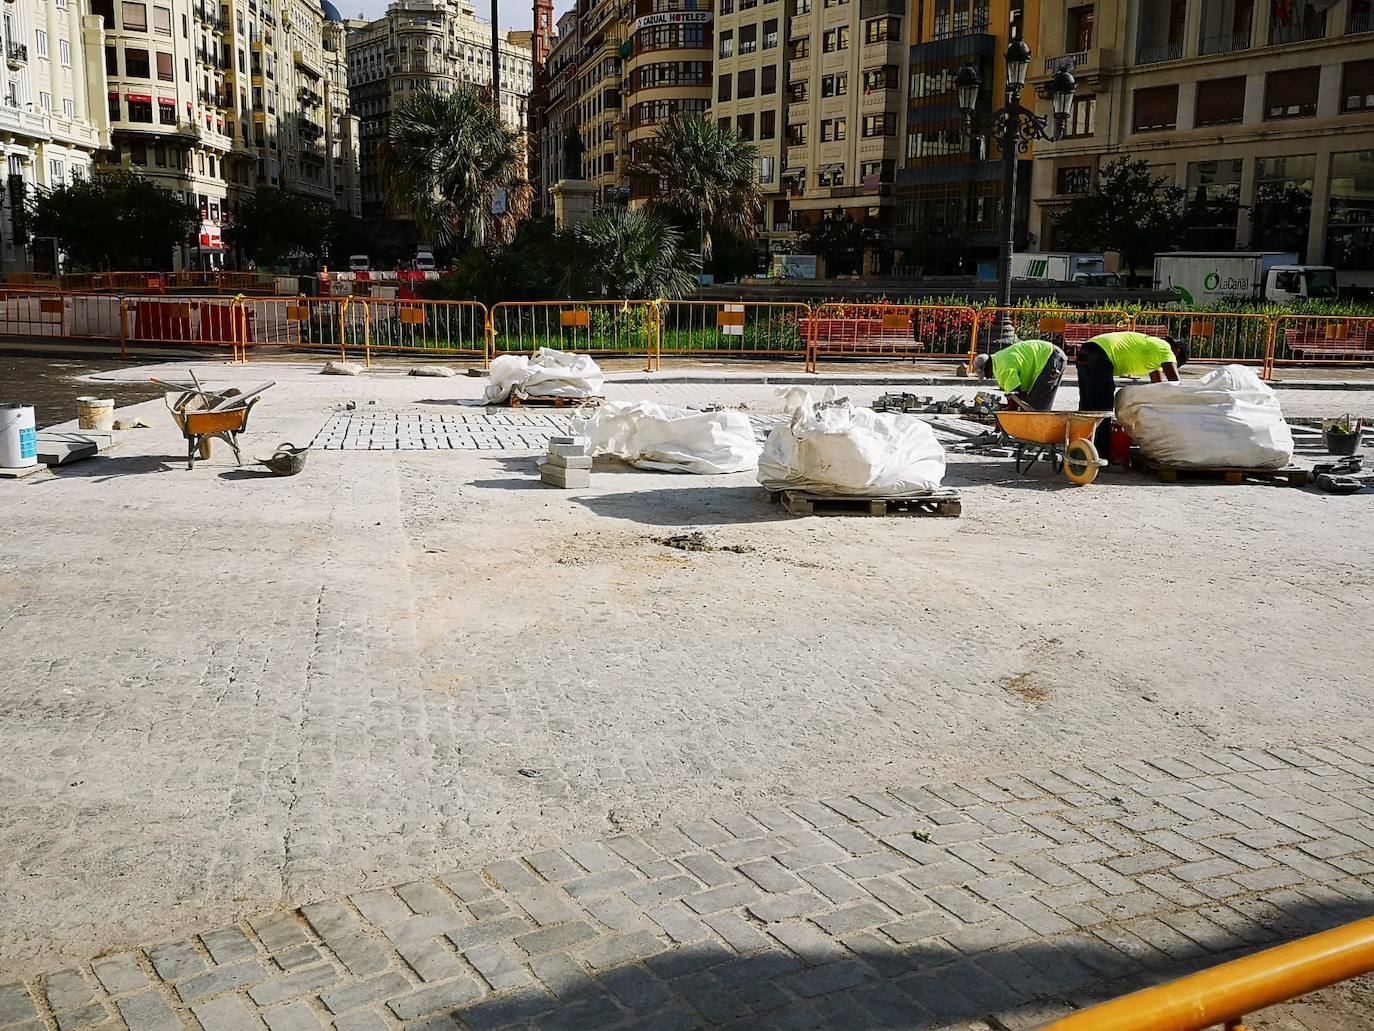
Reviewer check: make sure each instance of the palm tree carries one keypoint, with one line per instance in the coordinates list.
(445, 157)
(702, 174)
(629, 253)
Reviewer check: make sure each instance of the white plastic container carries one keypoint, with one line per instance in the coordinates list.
(95, 413)
(18, 437)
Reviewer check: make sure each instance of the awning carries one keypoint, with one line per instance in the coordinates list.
(143, 98)
(167, 101)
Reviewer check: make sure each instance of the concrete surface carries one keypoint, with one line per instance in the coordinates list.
(232, 695)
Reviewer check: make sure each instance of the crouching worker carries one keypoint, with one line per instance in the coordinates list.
(1029, 372)
(1105, 357)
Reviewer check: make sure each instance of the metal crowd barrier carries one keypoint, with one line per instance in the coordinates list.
(591, 327)
(1214, 338)
(724, 328)
(1067, 327)
(930, 331)
(443, 329)
(1320, 340)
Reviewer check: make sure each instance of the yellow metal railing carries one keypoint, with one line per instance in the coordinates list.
(1225, 994)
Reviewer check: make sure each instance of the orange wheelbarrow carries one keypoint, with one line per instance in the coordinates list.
(1063, 439)
(204, 415)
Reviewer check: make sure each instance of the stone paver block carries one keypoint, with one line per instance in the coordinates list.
(468, 885)
(297, 957)
(361, 993)
(294, 1016)
(289, 986)
(148, 1011)
(497, 967)
(678, 923)
(624, 948)
(276, 931)
(853, 918)
(360, 953)
(807, 942)
(120, 974)
(654, 892)
(85, 1016)
(917, 927)
(380, 907)
(228, 1013)
(786, 907)
(367, 1020)
(330, 919)
(16, 1004)
(67, 990)
(557, 938)
(432, 999)
(729, 896)
(425, 897)
(739, 933)
(221, 979)
(228, 944)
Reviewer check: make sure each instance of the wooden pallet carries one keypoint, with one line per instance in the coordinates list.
(554, 402)
(1292, 476)
(805, 503)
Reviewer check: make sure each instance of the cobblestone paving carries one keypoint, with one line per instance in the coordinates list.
(998, 902)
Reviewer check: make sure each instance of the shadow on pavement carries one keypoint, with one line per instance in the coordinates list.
(103, 467)
(873, 985)
(687, 506)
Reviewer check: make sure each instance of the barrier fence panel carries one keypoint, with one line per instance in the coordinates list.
(188, 321)
(732, 328)
(1322, 340)
(437, 328)
(294, 324)
(1212, 337)
(1067, 327)
(32, 314)
(927, 331)
(591, 327)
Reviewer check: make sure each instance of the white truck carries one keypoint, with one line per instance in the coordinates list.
(1057, 268)
(1202, 278)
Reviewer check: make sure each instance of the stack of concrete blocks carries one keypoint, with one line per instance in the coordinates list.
(569, 463)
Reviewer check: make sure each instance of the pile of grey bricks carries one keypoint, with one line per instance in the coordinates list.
(569, 463)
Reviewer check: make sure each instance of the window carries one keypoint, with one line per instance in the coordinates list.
(45, 101)
(41, 43)
(748, 39)
(1073, 180)
(134, 16)
(1291, 94)
(880, 30)
(162, 21)
(56, 172)
(796, 134)
(801, 7)
(140, 109)
(727, 6)
(136, 64)
(768, 125)
(1156, 109)
(1220, 101)
(1081, 116)
(159, 155)
(835, 3)
(64, 53)
(799, 49)
(164, 68)
(69, 108)
(111, 61)
(769, 81)
(723, 87)
(884, 124)
(115, 114)
(879, 79)
(827, 130)
(767, 168)
(744, 125)
(167, 114)
(1357, 86)
(770, 34)
(727, 43)
(835, 39)
(1080, 36)
(836, 85)
(744, 88)
(104, 8)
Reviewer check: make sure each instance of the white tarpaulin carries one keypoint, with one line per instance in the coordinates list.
(840, 449)
(549, 373)
(653, 436)
(1229, 417)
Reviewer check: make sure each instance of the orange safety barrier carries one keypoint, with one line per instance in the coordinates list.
(294, 324)
(1321, 340)
(187, 321)
(1225, 994)
(746, 328)
(1067, 327)
(930, 331)
(1219, 338)
(448, 329)
(59, 315)
(591, 327)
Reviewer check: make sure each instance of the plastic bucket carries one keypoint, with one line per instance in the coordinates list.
(18, 437)
(95, 413)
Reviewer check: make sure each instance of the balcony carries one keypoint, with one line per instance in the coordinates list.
(16, 55)
(1072, 62)
(880, 100)
(1226, 43)
(799, 112)
(888, 51)
(880, 146)
(1159, 53)
(1298, 32)
(1360, 22)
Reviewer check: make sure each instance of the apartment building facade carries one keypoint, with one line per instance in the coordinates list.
(52, 113)
(1262, 111)
(419, 45)
(750, 96)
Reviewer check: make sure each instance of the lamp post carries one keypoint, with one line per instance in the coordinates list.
(1015, 128)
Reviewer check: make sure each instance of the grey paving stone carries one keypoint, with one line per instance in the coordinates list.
(637, 989)
(730, 896)
(120, 974)
(807, 942)
(330, 919)
(508, 1010)
(148, 1011)
(739, 934)
(556, 938)
(85, 1016)
(228, 944)
(603, 883)
(468, 885)
(708, 869)
(67, 990)
(360, 953)
(658, 891)
(362, 1020)
(497, 966)
(546, 906)
(624, 948)
(16, 1004)
(295, 1016)
(582, 1016)
(918, 926)
(489, 930)
(221, 979)
(689, 961)
(228, 1013)
(380, 906)
(361, 993)
(853, 918)
(276, 931)
(554, 866)
(512, 875)
(446, 996)
(561, 974)
(425, 897)
(290, 986)
(295, 958)
(678, 923)
(785, 907)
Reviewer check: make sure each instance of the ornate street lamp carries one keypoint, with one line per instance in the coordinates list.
(1014, 128)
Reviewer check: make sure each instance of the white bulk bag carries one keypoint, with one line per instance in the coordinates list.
(549, 373)
(840, 449)
(1229, 417)
(653, 436)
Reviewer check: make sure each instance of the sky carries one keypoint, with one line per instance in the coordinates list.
(515, 14)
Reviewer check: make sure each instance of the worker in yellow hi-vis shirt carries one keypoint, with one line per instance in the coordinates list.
(1029, 371)
(1105, 357)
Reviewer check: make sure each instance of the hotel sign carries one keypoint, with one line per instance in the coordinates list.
(650, 21)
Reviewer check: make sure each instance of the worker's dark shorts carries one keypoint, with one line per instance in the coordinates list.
(1041, 394)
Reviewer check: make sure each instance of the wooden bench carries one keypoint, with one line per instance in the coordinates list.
(1074, 334)
(1319, 341)
(888, 336)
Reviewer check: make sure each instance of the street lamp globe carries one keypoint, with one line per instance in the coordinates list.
(1018, 63)
(967, 82)
(1062, 91)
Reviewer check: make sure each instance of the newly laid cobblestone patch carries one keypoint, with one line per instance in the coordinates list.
(979, 904)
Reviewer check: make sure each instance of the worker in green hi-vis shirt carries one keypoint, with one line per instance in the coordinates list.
(1029, 371)
(1105, 357)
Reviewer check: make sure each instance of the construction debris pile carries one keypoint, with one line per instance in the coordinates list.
(549, 373)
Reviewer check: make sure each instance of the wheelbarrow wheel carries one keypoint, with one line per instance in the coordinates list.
(1080, 462)
(205, 449)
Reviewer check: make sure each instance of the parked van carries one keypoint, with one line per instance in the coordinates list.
(359, 263)
(424, 261)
